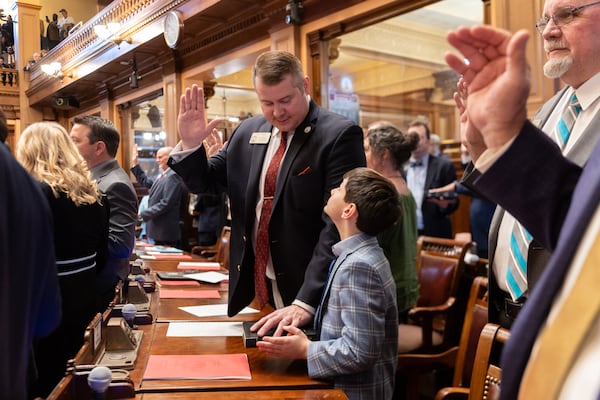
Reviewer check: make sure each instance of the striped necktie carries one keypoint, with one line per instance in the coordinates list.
(566, 122)
(516, 274)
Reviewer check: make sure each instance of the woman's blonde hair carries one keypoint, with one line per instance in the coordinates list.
(46, 151)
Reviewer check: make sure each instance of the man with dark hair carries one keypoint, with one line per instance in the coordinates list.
(278, 170)
(426, 171)
(97, 140)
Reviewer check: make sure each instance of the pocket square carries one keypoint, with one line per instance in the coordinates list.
(305, 171)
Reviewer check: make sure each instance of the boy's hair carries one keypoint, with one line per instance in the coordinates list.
(101, 130)
(376, 200)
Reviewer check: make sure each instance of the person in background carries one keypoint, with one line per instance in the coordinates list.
(387, 150)
(357, 318)
(297, 148)
(97, 140)
(435, 145)
(426, 171)
(52, 32)
(163, 213)
(3, 127)
(65, 22)
(30, 295)
(80, 241)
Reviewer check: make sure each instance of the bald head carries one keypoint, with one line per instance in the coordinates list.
(162, 156)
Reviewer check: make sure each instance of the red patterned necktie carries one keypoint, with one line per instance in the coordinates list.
(262, 237)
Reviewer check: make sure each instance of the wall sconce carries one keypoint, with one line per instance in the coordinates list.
(109, 31)
(54, 69)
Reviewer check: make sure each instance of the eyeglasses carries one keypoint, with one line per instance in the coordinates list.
(562, 16)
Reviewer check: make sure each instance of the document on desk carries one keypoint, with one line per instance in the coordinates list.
(202, 366)
(199, 265)
(189, 294)
(210, 276)
(193, 329)
(214, 310)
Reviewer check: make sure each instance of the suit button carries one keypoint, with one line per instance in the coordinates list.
(244, 238)
(239, 267)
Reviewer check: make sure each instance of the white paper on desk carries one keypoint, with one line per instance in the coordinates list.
(213, 310)
(210, 276)
(188, 329)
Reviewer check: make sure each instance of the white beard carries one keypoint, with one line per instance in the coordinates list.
(555, 68)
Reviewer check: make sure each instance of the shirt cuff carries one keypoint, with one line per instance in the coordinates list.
(177, 154)
(304, 306)
(489, 157)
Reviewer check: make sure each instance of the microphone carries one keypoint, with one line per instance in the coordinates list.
(128, 311)
(99, 380)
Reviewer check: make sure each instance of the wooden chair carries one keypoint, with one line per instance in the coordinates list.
(438, 277)
(216, 252)
(487, 375)
(459, 357)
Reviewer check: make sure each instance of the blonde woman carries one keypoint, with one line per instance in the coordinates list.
(80, 240)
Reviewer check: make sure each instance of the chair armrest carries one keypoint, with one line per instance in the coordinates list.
(424, 316)
(452, 393)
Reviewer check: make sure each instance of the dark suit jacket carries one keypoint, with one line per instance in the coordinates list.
(323, 148)
(164, 205)
(30, 295)
(115, 184)
(537, 256)
(436, 220)
(549, 216)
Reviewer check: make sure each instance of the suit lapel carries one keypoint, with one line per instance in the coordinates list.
(541, 117)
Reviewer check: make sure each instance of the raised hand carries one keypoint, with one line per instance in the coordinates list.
(191, 121)
(497, 77)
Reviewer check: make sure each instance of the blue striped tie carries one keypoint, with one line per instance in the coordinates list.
(516, 274)
(566, 122)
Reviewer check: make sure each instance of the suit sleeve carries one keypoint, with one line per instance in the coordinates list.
(202, 175)
(347, 153)
(534, 182)
(123, 217)
(141, 177)
(170, 197)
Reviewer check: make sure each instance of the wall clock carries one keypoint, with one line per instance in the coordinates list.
(173, 28)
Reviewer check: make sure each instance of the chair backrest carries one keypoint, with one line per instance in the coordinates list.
(437, 279)
(486, 379)
(476, 316)
(443, 247)
(222, 255)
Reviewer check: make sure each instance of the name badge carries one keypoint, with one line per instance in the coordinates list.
(260, 137)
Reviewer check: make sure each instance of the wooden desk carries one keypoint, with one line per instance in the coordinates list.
(310, 394)
(267, 372)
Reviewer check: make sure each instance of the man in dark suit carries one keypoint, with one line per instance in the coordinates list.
(319, 148)
(561, 211)
(30, 295)
(97, 140)
(163, 215)
(426, 171)
(572, 56)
